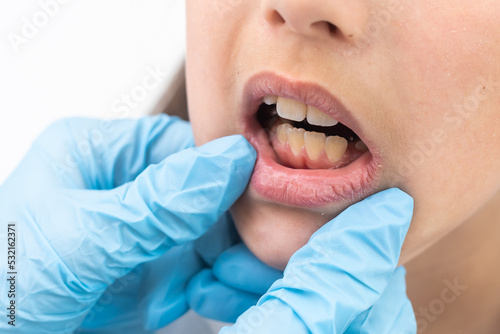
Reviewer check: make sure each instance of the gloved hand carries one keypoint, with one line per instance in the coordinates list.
(93, 202)
(233, 284)
(343, 281)
(153, 294)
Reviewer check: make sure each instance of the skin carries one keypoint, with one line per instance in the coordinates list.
(407, 81)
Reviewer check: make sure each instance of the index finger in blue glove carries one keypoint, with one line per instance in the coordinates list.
(103, 154)
(216, 240)
(339, 273)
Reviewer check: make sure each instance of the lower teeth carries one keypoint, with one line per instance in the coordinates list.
(316, 145)
(309, 146)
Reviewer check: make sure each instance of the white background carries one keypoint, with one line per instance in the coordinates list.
(79, 62)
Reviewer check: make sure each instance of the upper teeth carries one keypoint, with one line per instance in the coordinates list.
(298, 111)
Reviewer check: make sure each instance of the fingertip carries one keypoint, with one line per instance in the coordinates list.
(390, 207)
(392, 210)
(404, 200)
(399, 205)
(233, 154)
(400, 272)
(393, 196)
(244, 156)
(241, 143)
(236, 145)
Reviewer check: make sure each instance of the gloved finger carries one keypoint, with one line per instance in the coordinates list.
(148, 298)
(392, 313)
(238, 277)
(212, 299)
(162, 296)
(237, 267)
(339, 273)
(217, 239)
(103, 154)
(168, 204)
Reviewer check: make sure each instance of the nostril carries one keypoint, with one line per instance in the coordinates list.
(278, 18)
(273, 17)
(332, 28)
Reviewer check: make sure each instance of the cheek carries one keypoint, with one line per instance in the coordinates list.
(430, 65)
(198, 69)
(449, 95)
(450, 180)
(212, 34)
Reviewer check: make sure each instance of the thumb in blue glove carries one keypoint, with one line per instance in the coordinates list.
(392, 313)
(340, 274)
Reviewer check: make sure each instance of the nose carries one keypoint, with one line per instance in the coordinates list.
(318, 17)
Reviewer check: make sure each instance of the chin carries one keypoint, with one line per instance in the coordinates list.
(274, 232)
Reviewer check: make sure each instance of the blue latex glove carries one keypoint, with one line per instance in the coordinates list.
(153, 294)
(235, 283)
(343, 281)
(100, 206)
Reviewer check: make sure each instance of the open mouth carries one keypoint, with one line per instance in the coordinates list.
(304, 137)
(311, 151)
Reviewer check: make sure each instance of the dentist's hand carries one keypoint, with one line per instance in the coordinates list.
(94, 202)
(344, 280)
(233, 284)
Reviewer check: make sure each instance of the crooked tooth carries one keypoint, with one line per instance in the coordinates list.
(291, 109)
(281, 132)
(295, 138)
(316, 117)
(270, 99)
(335, 148)
(314, 143)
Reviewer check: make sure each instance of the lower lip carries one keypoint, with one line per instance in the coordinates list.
(308, 188)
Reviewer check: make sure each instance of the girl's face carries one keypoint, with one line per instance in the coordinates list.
(414, 85)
